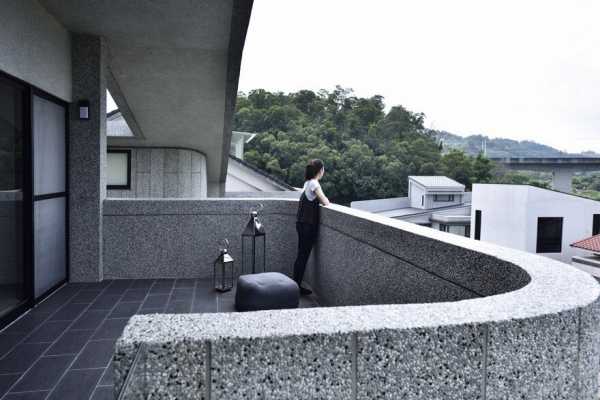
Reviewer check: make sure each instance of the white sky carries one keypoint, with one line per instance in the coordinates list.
(524, 69)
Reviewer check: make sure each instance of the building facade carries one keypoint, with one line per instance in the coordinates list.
(532, 219)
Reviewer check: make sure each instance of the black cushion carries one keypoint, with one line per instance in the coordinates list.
(266, 291)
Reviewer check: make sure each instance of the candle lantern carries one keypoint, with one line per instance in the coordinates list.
(223, 273)
(253, 251)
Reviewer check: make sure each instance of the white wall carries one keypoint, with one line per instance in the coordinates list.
(510, 216)
(35, 47)
(415, 193)
(165, 173)
(243, 179)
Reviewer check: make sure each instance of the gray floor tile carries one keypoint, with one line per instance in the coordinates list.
(125, 309)
(69, 312)
(155, 301)
(85, 296)
(175, 307)
(37, 395)
(184, 294)
(44, 374)
(142, 284)
(134, 295)
(104, 393)
(22, 357)
(90, 319)
(27, 323)
(185, 283)
(111, 329)
(76, 385)
(6, 381)
(8, 341)
(96, 354)
(105, 302)
(48, 332)
(108, 376)
(70, 343)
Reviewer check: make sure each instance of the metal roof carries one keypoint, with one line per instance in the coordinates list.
(590, 244)
(437, 182)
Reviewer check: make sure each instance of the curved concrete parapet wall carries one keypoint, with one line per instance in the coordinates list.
(526, 327)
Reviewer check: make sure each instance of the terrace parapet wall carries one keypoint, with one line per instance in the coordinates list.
(412, 313)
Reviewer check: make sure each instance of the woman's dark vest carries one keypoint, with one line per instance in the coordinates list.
(308, 211)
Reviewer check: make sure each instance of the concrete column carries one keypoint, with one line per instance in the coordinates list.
(87, 158)
(562, 180)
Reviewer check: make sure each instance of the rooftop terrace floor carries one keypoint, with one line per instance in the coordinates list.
(62, 349)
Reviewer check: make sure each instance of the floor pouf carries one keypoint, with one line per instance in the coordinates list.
(266, 291)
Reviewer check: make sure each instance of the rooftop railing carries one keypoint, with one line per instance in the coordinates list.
(411, 312)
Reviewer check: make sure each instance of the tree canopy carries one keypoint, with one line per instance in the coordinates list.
(368, 152)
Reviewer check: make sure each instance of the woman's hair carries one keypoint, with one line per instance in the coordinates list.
(312, 169)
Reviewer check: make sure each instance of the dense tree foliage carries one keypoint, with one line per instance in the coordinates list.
(368, 153)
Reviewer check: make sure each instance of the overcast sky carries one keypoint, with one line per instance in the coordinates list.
(518, 69)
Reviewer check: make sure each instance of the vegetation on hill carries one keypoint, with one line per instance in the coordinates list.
(368, 153)
(501, 147)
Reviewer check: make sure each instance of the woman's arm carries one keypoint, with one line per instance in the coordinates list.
(321, 196)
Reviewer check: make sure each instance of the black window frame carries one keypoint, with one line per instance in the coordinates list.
(128, 185)
(444, 227)
(477, 233)
(437, 197)
(545, 244)
(596, 225)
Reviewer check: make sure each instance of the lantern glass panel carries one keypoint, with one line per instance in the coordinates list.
(223, 273)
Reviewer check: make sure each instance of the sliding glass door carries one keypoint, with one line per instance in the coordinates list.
(14, 280)
(49, 193)
(33, 196)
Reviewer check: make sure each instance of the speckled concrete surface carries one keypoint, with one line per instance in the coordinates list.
(537, 335)
(87, 158)
(180, 238)
(441, 363)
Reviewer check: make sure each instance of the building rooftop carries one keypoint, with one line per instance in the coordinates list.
(590, 244)
(437, 182)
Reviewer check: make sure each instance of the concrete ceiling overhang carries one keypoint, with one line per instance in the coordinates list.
(175, 65)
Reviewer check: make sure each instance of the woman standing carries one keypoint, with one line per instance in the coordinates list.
(307, 219)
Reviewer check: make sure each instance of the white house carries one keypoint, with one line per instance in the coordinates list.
(434, 201)
(532, 219)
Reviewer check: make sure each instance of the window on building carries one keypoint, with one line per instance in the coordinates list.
(477, 225)
(549, 235)
(444, 228)
(118, 169)
(443, 198)
(467, 230)
(596, 225)
(422, 200)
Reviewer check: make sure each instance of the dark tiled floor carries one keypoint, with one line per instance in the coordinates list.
(62, 348)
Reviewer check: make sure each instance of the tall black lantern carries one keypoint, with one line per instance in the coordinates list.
(253, 259)
(223, 273)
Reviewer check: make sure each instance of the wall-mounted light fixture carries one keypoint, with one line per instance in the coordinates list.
(84, 109)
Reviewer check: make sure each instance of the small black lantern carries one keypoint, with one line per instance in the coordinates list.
(252, 259)
(223, 273)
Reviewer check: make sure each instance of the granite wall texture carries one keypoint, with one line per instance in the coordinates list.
(87, 158)
(465, 319)
(180, 238)
(165, 173)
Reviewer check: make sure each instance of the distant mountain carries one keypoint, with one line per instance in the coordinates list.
(503, 147)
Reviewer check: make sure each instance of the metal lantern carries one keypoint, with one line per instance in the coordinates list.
(253, 259)
(223, 273)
